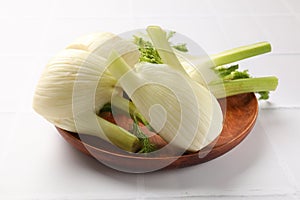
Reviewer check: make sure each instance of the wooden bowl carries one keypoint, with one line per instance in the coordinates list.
(240, 116)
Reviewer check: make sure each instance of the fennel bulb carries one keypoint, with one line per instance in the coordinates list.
(75, 85)
(182, 111)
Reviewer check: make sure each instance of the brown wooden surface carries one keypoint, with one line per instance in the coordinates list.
(240, 116)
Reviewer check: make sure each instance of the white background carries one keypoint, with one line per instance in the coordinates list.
(36, 163)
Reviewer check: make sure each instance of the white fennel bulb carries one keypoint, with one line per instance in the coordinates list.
(102, 43)
(75, 85)
(179, 109)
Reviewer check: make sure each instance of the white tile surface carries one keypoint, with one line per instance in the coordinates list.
(36, 163)
(241, 30)
(240, 172)
(171, 8)
(8, 122)
(52, 169)
(17, 74)
(268, 7)
(25, 9)
(293, 5)
(202, 33)
(251, 8)
(73, 27)
(282, 31)
(92, 8)
(21, 36)
(282, 126)
(243, 171)
(231, 7)
(285, 67)
(40, 165)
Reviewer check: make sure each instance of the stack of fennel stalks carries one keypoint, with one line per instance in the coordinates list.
(166, 92)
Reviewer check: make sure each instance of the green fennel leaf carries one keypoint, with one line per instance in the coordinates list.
(147, 146)
(264, 95)
(232, 73)
(181, 47)
(148, 52)
(170, 34)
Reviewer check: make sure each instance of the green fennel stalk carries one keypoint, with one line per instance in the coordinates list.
(235, 82)
(240, 53)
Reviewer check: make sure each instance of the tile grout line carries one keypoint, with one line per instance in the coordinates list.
(280, 107)
(140, 181)
(188, 16)
(283, 196)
